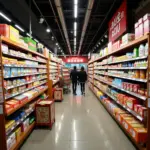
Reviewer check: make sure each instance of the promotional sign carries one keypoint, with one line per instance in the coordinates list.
(76, 59)
(118, 23)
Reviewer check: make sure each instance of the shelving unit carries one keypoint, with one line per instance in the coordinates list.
(101, 79)
(23, 73)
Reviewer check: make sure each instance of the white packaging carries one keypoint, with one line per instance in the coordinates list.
(11, 141)
(146, 49)
(141, 50)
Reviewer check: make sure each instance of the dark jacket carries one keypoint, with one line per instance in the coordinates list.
(74, 75)
(82, 76)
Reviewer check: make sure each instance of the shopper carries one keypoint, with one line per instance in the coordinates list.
(82, 79)
(74, 79)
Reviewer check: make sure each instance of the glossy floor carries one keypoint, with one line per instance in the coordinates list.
(81, 124)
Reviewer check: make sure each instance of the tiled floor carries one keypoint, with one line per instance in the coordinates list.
(81, 124)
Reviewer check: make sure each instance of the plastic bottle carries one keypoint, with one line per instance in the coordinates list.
(135, 52)
(141, 50)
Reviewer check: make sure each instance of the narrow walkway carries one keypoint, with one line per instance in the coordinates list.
(81, 124)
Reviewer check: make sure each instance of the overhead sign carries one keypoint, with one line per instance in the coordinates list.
(75, 59)
(118, 23)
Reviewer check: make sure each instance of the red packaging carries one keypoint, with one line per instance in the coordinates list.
(128, 87)
(131, 87)
(142, 111)
(146, 20)
(136, 88)
(4, 30)
(124, 85)
(141, 27)
(131, 102)
(13, 103)
(8, 108)
(136, 107)
(136, 26)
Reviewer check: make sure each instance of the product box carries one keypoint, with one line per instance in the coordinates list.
(18, 133)
(25, 125)
(131, 102)
(146, 20)
(136, 27)
(9, 125)
(14, 34)
(8, 108)
(142, 111)
(13, 103)
(139, 134)
(136, 107)
(4, 30)
(141, 27)
(127, 38)
(11, 141)
(5, 49)
(31, 43)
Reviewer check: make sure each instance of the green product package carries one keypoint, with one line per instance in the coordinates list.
(31, 120)
(136, 52)
(31, 43)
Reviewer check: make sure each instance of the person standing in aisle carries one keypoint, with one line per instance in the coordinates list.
(74, 79)
(82, 79)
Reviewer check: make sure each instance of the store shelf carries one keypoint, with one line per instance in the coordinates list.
(24, 58)
(19, 122)
(17, 66)
(23, 137)
(121, 89)
(127, 78)
(128, 68)
(13, 95)
(25, 75)
(11, 87)
(132, 59)
(23, 104)
(140, 147)
(131, 44)
(17, 45)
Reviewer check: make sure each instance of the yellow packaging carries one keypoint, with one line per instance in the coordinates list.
(18, 133)
(14, 34)
(9, 124)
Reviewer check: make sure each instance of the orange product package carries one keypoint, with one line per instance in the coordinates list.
(136, 107)
(138, 134)
(8, 108)
(4, 30)
(121, 116)
(13, 103)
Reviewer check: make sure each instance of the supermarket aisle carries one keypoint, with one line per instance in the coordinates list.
(81, 124)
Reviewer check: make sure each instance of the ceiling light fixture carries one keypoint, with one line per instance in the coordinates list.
(75, 2)
(48, 30)
(75, 26)
(56, 44)
(5, 17)
(102, 40)
(17, 26)
(106, 36)
(28, 35)
(75, 33)
(75, 11)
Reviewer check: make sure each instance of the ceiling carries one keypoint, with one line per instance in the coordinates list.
(97, 26)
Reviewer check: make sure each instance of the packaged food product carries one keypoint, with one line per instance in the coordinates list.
(5, 49)
(136, 88)
(136, 52)
(141, 27)
(11, 140)
(141, 91)
(141, 50)
(7, 72)
(136, 107)
(25, 125)
(8, 108)
(18, 133)
(137, 74)
(136, 26)
(146, 49)
(139, 134)
(13, 103)
(14, 34)
(131, 102)
(9, 124)
(146, 20)
(142, 74)
(4, 30)
(142, 111)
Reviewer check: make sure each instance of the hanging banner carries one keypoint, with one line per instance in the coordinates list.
(118, 23)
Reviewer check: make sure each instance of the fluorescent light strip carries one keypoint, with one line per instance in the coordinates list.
(5, 17)
(75, 26)
(75, 11)
(17, 26)
(75, 2)
(75, 33)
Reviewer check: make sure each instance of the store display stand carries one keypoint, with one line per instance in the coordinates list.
(46, 88)
(95, 76)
